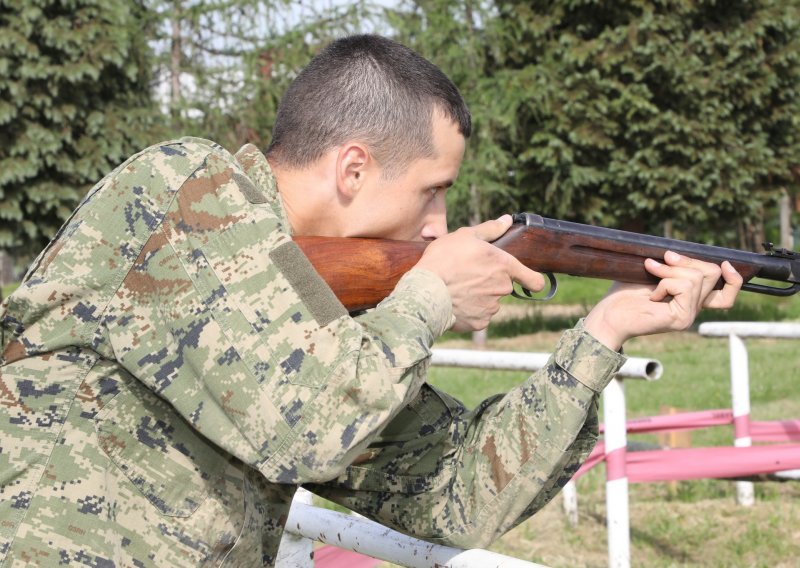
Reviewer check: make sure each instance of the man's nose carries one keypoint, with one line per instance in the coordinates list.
(435, 226)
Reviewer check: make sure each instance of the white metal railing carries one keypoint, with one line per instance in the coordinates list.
(356, 533)
(616, 444)
(352, 532)
(634, 367)
(740, 382)
(296, 549)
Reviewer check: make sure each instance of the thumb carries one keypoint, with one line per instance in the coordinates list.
(492, 230)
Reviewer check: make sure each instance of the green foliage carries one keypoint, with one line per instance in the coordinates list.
(74, 102)
(200, 48)
(659, 110)
(619, 113)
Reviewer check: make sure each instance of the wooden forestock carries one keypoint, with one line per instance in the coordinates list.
(593, 257)
(551, 245)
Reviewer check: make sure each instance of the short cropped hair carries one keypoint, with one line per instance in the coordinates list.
(366, 88)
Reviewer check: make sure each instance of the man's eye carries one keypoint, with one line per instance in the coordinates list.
(434, 191)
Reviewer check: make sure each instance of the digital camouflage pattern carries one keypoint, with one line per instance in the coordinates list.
(173, 368)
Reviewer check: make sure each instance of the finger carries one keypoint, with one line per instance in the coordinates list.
(725, 298)
(679, 301)
(669, 288)
(674, 259)
(711, 271)
(493, 230)
(676, 280)
(524, 276)
(662, 270)
(702, 278)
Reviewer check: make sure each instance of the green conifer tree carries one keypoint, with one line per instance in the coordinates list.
(645, 113)
(74, 102)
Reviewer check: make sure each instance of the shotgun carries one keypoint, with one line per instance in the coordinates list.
(362, 272)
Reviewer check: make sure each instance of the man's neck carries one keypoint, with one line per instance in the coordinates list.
(309, 199)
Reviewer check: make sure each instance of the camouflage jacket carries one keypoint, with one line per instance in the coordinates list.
(173, 368)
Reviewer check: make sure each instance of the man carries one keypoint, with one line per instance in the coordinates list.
(173, 368)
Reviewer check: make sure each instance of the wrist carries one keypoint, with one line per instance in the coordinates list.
(596, 325)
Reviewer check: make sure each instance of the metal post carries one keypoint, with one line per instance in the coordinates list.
(740, 398)
(616, 439)
(740, 379)
(295, 550)
(569, 495)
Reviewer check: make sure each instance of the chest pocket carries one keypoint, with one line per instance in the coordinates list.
(163, 457)
(281, 317)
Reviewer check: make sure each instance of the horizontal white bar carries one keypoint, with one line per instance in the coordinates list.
(780, 330)
(634, 367)
(788, 474)
(368, 537)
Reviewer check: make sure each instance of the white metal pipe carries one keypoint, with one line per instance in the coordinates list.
(740, 380)
(634, 367)
(740, 403)
(616, 436)
(569, 496)
(788, 474)
(296, 551)
(616, 440)
(375, 540)
(618, 519)
(779, 330)
(740, 390)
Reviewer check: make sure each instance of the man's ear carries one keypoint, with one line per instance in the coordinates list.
(352, 164)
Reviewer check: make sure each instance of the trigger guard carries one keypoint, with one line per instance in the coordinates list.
(528, 295)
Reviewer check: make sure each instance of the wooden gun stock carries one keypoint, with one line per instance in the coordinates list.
(362, 272)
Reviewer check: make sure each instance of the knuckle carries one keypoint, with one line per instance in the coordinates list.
(696, 276)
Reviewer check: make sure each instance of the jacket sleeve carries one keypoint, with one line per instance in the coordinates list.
(464, 478)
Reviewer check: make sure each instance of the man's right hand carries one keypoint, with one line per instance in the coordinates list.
(477, 274)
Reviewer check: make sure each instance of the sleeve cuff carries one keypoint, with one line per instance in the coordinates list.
(587, 359)
(426, 295)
